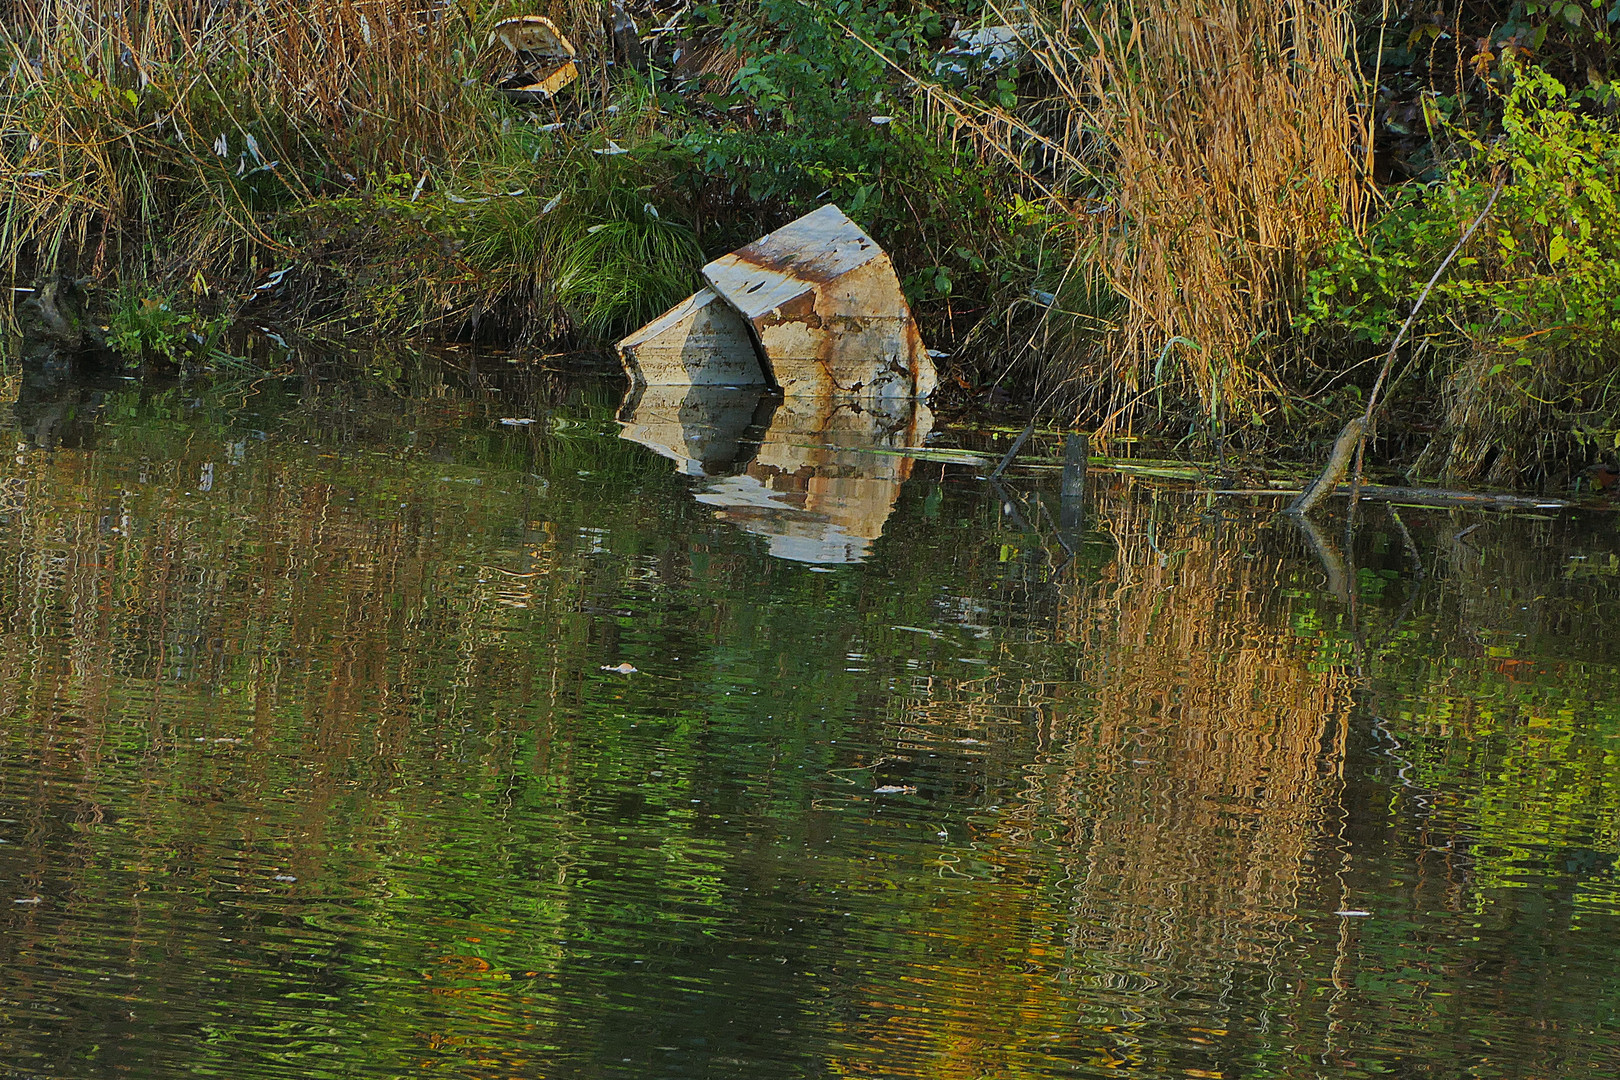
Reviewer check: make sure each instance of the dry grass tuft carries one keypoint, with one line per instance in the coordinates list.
(346, 161)
(1232, 133)
(1213, 144)
(122, 116)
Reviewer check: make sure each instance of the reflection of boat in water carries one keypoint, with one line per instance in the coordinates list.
(818, 478)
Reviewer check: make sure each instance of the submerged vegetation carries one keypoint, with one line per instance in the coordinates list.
(1200, 221)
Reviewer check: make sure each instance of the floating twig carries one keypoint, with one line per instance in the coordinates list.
(1419, 496)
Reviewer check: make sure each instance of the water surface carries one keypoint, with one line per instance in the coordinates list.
(352, 732)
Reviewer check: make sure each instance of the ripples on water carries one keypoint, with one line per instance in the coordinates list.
(316, 764)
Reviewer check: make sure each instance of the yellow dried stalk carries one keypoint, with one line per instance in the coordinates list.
(1232, 130)
(115, 107)
(1224, 139)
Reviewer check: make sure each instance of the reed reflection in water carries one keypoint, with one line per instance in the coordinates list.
(319, 759)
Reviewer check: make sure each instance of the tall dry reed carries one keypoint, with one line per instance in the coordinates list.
(1222, 140)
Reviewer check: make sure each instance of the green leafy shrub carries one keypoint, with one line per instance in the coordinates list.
(1540, 308)
(1525, 329)
(151, 328)
(818, 113)
(146, 327)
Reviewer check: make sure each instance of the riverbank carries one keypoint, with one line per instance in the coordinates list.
(1203, 230)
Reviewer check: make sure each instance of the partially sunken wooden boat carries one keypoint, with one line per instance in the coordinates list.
(813, 310)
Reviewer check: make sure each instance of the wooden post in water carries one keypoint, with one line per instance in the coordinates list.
(1072, 508)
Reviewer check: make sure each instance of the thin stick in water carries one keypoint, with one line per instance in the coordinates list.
(1353, 436)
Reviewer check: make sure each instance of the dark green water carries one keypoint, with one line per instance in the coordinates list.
(319, 759)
